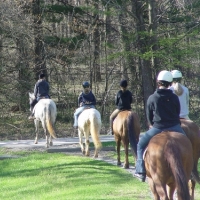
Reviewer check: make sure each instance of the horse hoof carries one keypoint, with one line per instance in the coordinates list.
(51, 143)
(126, 166)
(95, 156)
(119, 163)
(36, 142)
(87, 154)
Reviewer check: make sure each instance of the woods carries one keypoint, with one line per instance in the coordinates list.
(99, 41)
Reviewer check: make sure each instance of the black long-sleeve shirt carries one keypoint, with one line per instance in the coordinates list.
(86, 99)
(163, 109)
(123, 100)
(41, 88)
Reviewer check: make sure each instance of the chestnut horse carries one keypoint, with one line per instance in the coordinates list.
(126, 128)
(169, 163)
(89, 122)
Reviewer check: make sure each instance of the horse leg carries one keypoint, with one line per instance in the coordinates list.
(81, 141)
(46, 134)
(50, 141)
(118, 141)
(191, 185)
(161, 190)
(126, 162)
(36, 131)
(47, 139)
(87, 143)
(153, 189)
(171, 188)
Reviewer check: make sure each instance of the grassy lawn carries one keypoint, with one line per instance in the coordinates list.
(42, 176)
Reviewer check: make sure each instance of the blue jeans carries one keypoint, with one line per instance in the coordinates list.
(144, 140)
(79, 111)
(38, 98)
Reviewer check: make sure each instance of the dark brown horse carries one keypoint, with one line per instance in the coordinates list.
(192, 132)
(126, 128)
(169, 163)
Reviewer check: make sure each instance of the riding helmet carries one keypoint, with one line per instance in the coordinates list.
(123, 83)
(165, 76)
(176, 74)
(41, 75)
(86, 84)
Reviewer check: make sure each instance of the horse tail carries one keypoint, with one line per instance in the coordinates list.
(173, 157)
(49, 124)
(132, 133)
(95, 126)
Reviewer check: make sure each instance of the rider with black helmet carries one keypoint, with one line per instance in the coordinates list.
(123, 101)
(41, 90)
(86, 99)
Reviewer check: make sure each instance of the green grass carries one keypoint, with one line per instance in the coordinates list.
(40, 176)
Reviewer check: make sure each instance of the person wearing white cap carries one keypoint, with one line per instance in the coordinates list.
(182, 92)
(163, 109)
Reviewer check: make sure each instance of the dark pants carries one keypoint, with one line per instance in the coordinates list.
(143, 142)
(33, 103)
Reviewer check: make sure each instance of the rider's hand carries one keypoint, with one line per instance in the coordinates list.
(150, 126)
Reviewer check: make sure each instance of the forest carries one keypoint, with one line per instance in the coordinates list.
(100, 41)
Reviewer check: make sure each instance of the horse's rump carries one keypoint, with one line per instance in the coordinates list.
(45, 111)
(89, 116)
(126, 129)
(169, 161)
(127, 125)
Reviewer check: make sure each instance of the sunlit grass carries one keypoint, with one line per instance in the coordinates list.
(39, 175)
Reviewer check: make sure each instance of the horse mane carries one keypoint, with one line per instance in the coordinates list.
(171, 154)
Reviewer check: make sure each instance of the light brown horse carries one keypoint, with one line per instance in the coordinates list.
(169, 163)
(126, 128)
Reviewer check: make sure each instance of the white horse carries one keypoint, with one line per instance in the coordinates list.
(45, 111)
(89, 122)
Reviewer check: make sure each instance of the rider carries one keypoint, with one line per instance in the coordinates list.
(41, 90)
(86, 99)
(123, 101)
(163, 109)
(182, 92)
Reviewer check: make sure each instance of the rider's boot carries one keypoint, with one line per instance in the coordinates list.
(31, 117)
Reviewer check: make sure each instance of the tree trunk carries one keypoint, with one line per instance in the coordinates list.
(40, 58)
(23, 72)
(153, 33)
(96, 39)
(145, 65)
